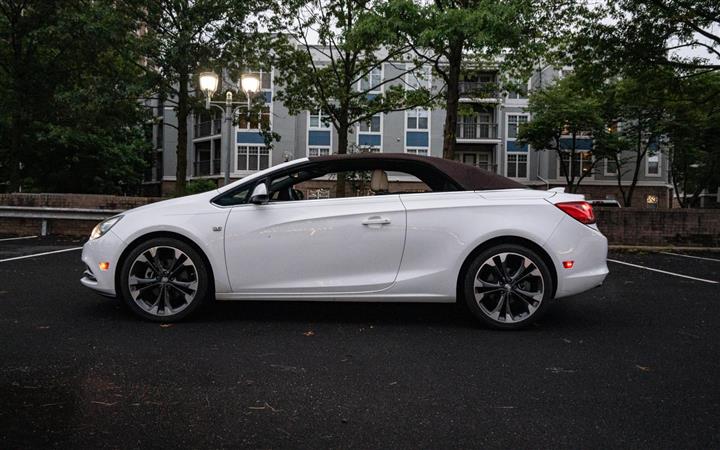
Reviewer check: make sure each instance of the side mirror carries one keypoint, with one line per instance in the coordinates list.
(259, 195)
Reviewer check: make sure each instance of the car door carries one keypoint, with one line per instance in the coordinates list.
(319, 246)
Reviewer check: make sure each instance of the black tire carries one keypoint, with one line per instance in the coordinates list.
(175, 290)
(524, 309)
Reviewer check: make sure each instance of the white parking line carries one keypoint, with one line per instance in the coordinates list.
(40, 254)
(18, 238)
(664, 271)
(691, 256)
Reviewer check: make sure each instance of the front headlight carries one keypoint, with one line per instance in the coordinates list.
(104, 226)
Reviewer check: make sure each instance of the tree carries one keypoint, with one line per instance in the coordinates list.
(635, 34)
(331, 59)
(70, 120)
(453, 35)
(179, 39)
(692, 127)
(565, 118)
(635, 110)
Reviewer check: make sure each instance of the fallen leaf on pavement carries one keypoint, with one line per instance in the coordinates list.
(309, 333)
(643, 368)
(165, 325)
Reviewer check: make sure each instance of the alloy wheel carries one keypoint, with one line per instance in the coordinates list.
(163, 281)
(508, 287)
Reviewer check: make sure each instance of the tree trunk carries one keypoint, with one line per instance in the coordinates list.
(452, 97)
(183, 111)
(342, 149)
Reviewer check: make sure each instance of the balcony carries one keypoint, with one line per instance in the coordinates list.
(206, 168)
(477, 131)
(479, 90)
(209, 128)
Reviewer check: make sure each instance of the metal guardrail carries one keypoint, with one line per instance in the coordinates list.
(44, 212)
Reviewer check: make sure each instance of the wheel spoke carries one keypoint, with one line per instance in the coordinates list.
(513, 298)
(155, 286)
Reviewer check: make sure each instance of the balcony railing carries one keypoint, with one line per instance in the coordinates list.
(479, 89)
(206, 167)
(477, 130)
(209, 128)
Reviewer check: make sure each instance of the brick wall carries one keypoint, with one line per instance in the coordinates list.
(77, 228)
(677, 227)
(75, 201)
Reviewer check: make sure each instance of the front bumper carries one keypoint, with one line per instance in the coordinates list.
(107, 248)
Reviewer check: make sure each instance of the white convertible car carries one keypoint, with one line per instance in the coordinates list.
(362, 228)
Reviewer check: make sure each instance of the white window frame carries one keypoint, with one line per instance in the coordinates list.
(319, 148)
(307, 137)
(417, 111)
(527, 164)
(647, 164)
(248, 170)
(415, 150)
(319, 114)
(379, 87)
(606, 172)
(507, 123)
(379, 133)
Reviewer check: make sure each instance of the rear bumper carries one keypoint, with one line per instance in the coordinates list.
(587, 248)
(105, 249)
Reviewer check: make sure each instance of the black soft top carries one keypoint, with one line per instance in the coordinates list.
(467, 177)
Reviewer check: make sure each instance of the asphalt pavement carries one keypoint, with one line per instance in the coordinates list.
(634, 363)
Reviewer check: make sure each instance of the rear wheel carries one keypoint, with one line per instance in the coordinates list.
(507, 286)
(163, 280)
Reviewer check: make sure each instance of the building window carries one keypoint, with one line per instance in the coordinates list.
(371, 82)
(418, 78)
(652, 167)
(517, 165)
(417, 119)
(514, 121)
(318, 119)
(582, 164)
(256, 121)
(264, 76)
(319, 151)
(610, 167)
(417, 151)
(519, 92)
(252, 157)
(372, 125)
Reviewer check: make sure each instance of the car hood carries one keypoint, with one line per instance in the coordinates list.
(180, 204)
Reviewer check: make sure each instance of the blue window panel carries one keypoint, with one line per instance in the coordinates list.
(268, 96)
(580, 143)
(513, 146)
(369, 139)
(371, 97)
(319, 138)
(249, 137)
(416, 139)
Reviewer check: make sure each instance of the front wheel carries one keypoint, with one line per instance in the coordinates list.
(163, 280)
(507, 286)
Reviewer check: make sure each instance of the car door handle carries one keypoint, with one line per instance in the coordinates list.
(376, 220)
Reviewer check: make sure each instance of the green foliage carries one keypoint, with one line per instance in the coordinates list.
(352, 39)
(71, 120)
(561, 112)
(199, 186)
(457, 36)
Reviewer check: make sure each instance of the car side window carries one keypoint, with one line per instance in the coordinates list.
(233, 198)
(344, 184)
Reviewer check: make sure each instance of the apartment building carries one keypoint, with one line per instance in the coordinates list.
(486, 137)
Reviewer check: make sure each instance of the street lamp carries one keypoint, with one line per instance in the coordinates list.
(208, 85)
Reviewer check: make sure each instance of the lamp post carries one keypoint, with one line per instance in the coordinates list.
(208, 84)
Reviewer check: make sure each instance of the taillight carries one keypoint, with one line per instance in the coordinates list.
(580, 211)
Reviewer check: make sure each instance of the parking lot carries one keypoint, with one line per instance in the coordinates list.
(634, 363)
